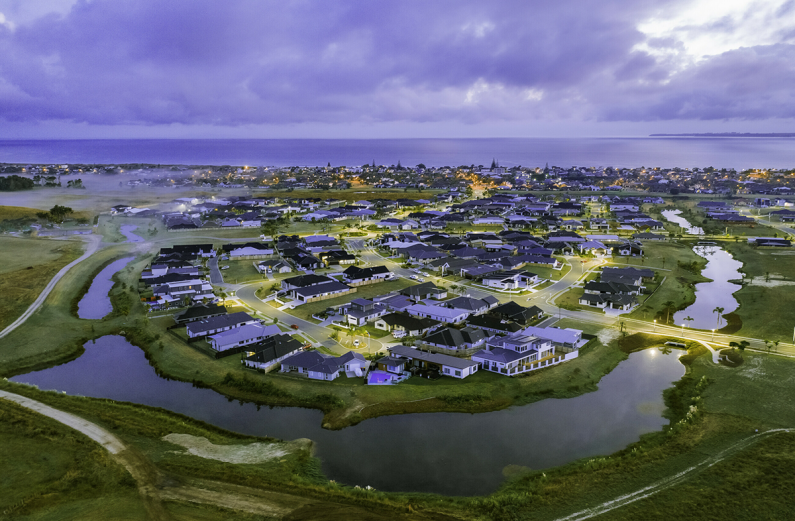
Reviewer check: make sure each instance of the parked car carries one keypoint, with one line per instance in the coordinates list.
(420, 279)
(355, 343)
(225, 267)
(294, 326)
(414, 277)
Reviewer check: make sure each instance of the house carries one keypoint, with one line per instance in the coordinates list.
(493, 324)
(319, 366)
(250, 250)
(622, 302)
(217, 324)
(610, 288)
(190, 250)
(451, 338)
(356, 276)
(443, 364)
(176, 292)
(242, 336)
(361, 311)
(568, 337)
(474, 306)
(508, 280)
(407, 325)
(444, 314)
(324, 291)
(423, 291)
(269, 353)
(516, 353)
(392, 365)
(635, 273)
(273, 266)
(518, 313)
(199, 312)
(336, 257)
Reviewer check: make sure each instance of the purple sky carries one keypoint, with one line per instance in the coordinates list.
(195, 68)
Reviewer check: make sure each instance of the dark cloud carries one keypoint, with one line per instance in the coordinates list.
(146, 62)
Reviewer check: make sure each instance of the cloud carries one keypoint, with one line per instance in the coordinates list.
(239, 63)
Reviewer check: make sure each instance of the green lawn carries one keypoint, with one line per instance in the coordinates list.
(240, 271)
(26, 267)
(306, 311)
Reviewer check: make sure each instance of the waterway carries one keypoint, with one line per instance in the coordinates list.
(721, 268)
(446, 453)
(127, 230)
(95, 304)
(673, 216)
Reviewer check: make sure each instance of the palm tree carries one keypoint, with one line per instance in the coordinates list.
(668, 305)
(719, 311)
(689, 320)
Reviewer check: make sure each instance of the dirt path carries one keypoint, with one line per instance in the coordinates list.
(670, 481)
(93, 245)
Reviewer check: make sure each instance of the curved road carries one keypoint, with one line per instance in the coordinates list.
(93, 245)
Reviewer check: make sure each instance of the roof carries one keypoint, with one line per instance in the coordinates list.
(200, 311)
(455, 337)
(439, 311)
(450, 361)
(408, 322)
(493, 323)
(498, 354)
(244, 333)
(219, 322)
(273, 347)
(302, 281)
(329, 287)
(560, 336)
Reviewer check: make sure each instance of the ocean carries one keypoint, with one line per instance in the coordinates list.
(665, 152)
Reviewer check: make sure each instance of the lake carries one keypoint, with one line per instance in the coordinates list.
(446, 453)
(673, 216)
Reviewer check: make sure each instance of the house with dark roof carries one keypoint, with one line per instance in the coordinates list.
(518, 313)
(407, 324)
(356, 276)
(320, 366)
(269, 353)
(451, 338)
(423, 291)
(475, 306)
(445, 365)
(493, 324)
(622, 302)
(360, 311)
(217, 324)
(199, 312)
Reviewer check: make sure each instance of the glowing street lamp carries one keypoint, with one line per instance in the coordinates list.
(713, 334)
(655, 326)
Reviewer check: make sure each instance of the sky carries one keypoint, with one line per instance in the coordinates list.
(360, 69)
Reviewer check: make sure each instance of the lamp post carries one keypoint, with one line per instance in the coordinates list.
(713, 335)
(654, 328)
(369, 351)
(683, 329)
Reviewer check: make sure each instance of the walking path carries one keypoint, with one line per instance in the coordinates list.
(93, 245)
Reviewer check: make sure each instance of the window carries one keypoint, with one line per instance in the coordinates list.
(446, 370)
(457, 372)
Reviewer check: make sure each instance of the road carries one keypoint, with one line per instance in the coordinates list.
(93, 245)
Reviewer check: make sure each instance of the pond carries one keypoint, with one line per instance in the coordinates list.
(721, 268)
(127, 230)
(446, 453)
(673, 216)
(95, 304)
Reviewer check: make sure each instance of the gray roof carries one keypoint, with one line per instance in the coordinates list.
(450, 361)
(218, 322)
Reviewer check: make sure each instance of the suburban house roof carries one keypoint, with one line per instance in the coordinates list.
(493, 323)
(408, 322)
(199, 312)
(556, 335)
(357, 273)
(211, 323)
(450, 361)
(246, 332)
(456, 338)
(329, 287)
(303, 281)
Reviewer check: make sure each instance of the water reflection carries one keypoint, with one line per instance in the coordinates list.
(447, 453)
(95, 304)
(721, 268)
(673, 216)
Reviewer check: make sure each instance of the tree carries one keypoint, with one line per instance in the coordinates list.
(668, 305)
(719, 311)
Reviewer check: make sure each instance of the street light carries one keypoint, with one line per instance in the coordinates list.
(713, 334)
(655, 326)
(683, 329)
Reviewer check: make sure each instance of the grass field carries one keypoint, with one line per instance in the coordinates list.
(306, 311)
(240, 271)
(26, 267)
(55, 472)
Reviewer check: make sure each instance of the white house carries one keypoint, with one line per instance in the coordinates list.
(439, 313)
(242, 336)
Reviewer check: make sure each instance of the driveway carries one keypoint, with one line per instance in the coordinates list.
(215, 273)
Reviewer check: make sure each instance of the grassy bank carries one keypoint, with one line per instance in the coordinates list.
(26, 267)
